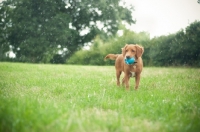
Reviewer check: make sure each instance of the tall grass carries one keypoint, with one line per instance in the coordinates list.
(85, 98)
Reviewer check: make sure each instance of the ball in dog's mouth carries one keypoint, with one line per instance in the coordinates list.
(129, 61)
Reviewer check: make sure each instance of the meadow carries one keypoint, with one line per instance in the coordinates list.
(72, 98)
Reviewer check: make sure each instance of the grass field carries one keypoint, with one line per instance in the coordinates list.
(55, 98)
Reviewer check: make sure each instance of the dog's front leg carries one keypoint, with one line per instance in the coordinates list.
(123, 81)
(118, 73)
(126, 80)
(137, 81)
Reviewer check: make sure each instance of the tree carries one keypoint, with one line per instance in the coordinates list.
(38, 27)
(180, 48)
(97, 52)
(4, 24)
(192, 43)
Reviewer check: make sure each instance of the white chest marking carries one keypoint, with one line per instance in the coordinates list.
(132, 74)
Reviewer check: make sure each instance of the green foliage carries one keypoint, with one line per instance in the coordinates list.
(35, 29)
(99, 49)
(181, 48)
(4, 24)
(57, 59)
(87, 58)
(178, 49)
(85, 98)
(39, 31)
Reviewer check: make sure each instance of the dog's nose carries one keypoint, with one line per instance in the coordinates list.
(128, 57)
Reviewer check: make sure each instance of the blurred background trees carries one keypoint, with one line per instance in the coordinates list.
(99, 49)
(58, 31)
(37, 30)
(178, 49)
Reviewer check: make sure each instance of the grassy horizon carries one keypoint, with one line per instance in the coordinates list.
(44, 97)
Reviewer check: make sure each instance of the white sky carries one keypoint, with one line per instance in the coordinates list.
(162, 17)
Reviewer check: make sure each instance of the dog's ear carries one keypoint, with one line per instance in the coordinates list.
(124, 50)
(140, 51)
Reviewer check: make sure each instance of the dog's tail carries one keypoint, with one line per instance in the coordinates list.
(111, 56)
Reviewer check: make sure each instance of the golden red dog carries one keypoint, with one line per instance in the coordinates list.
(133, 70)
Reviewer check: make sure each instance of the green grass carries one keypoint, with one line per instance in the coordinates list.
(55, 98)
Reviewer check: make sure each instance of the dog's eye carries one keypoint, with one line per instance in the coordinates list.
(133, 50)
(126, 51)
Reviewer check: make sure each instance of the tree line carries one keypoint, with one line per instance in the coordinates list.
(179, 49)
(55, 31)
(40, 31)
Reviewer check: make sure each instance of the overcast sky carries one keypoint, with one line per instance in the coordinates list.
(162, 17)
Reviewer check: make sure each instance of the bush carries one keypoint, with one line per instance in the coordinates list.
(97, 52)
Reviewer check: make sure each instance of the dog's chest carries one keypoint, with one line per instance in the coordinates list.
(132, 73)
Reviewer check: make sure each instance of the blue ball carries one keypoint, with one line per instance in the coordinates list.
(129, 61)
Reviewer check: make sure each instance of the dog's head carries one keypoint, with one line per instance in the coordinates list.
(132, 50)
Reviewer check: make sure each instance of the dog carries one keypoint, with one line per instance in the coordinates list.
(133, 70)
